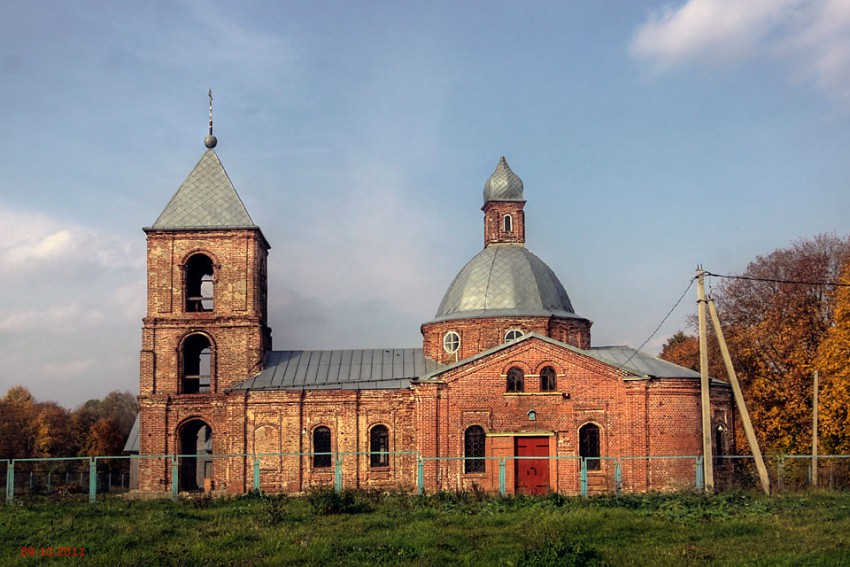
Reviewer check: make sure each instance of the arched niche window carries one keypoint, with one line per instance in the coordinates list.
(199, 284)
(515, 380)
(322, 457)
(588, 446)
(508, 223)
(451, 342)
(379, 446)
(548, 380)
(513, 335)
(719, 443)
(196, 365)
(473, 449)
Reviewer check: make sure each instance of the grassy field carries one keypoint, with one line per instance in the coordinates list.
(443, 529)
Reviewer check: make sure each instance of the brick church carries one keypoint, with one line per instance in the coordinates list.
(505, 370)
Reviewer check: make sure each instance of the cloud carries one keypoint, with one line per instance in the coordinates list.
(811, 37)
(72, 301)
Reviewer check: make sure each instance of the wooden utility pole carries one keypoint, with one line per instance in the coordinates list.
(739, 401)
(815, 432)
(705, 391)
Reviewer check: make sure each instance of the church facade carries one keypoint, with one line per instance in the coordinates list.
(505, 390)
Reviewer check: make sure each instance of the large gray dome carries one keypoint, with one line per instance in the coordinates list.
(505, 281)
(503, 185)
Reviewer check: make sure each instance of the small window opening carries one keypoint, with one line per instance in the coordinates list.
(719, 444)
(588, 446)
(513, 335)
(196, 365)
(473, 450)
(508, 223)
(379, 446)
(515, 380)
(199, 284)
(547, 380)
(322, 457)
(451, 342)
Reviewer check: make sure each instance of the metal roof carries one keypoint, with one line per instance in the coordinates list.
(503, 185)
(505, 280)
(207, 199)
(366, 369)
(641, 363)
(132, 444)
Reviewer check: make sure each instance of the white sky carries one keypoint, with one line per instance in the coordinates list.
(651, 136)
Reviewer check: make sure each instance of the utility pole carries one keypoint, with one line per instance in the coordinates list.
(705, 392)
(739, 401)
(815, 432)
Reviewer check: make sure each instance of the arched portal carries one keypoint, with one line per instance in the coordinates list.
(195, 438)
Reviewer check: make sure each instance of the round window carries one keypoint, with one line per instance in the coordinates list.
(451, 342)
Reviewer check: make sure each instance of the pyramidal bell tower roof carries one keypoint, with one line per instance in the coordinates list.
(207, 199)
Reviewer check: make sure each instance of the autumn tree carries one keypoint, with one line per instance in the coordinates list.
(833, 362)
(682, 349)
(774, 323)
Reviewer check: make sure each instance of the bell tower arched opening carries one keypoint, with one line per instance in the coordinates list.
(200, 288)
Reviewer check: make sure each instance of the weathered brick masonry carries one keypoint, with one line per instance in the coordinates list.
(506, 369)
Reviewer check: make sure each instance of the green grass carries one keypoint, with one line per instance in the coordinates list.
(444, 529)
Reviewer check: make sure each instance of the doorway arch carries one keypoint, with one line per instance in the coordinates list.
(195, 450)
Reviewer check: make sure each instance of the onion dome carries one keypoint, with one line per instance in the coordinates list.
(503, 185)
(505, 281)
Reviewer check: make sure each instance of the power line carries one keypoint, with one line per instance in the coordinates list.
(649, 338)
(772, 280)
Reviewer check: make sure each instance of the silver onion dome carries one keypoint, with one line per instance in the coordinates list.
(503, 281)
(503, 185)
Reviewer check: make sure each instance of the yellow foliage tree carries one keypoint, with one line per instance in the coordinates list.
(834, 365)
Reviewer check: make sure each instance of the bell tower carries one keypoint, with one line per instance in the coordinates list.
(206, 323)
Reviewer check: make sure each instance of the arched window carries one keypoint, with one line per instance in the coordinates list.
(451, 342)
(379, 446)
(719, 443)
(515, 380)
(588, 446)
(199, 284)
(196, 365)
(513, 335)
(473, 450)
(322, 457)
(508, 223)
(547, 380)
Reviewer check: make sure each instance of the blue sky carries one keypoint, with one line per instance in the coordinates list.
(651, 137)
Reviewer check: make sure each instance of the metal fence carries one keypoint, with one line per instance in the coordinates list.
(93, 477)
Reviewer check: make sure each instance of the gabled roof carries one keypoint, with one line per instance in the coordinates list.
(626, 359)
(207, 199)
(366, 369)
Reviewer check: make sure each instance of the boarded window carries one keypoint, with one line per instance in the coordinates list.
(589, 446)
(515, 380)
(473, 450)
(379, 446)
(322, 457)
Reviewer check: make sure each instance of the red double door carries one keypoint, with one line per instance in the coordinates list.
(532, 475)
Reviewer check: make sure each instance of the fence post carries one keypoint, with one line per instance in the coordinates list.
(256, 474)
(781, 473)
(48, 481)
(420, 475)
(338, 473)
(618, 476)
(502, 488)
(10, 482)
(584, 476)
(700, 479)
(92, 479)
(175, 472)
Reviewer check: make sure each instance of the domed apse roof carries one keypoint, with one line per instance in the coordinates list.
(505, 281)
(503, 185)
